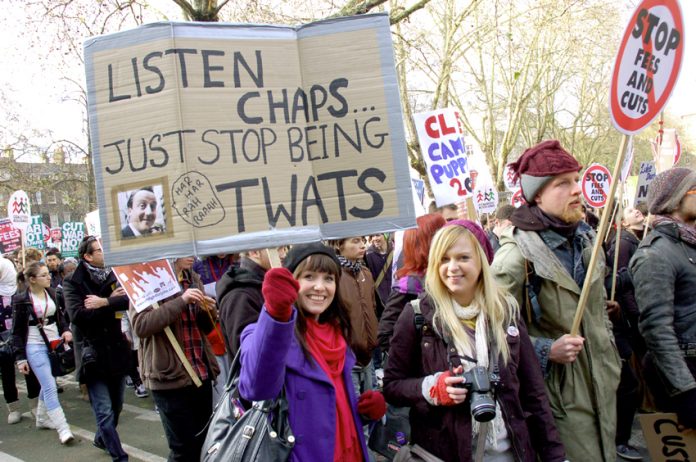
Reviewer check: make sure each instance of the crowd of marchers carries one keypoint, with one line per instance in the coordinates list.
(460, 330)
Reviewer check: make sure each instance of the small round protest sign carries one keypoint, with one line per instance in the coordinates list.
(647, 64)
(517, 199)
(595, 185)
(19, 210)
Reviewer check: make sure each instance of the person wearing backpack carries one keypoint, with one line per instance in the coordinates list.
(470, 333)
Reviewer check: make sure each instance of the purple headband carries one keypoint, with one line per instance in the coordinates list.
(479, 234)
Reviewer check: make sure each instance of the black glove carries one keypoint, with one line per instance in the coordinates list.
(686, 408)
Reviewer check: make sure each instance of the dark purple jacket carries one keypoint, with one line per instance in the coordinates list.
(271, 358)
(445, 431)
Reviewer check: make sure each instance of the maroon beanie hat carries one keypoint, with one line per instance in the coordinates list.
(539, 164)
(479, 234)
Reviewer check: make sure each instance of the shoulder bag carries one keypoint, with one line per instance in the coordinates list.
(239, 433)
(62, 357)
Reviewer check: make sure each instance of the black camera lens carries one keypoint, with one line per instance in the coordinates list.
(482, 407)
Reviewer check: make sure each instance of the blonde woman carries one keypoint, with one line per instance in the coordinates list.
(465, 330)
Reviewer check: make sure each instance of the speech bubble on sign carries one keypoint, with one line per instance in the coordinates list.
(647, 64)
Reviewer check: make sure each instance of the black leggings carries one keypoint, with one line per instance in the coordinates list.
(9, 387)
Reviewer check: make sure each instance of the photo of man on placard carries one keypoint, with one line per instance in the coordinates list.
(141, 212)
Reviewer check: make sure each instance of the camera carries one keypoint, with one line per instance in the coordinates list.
(480, 386)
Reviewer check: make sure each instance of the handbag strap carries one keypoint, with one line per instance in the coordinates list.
(39, 323)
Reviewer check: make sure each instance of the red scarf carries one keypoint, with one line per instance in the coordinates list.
(328, 347)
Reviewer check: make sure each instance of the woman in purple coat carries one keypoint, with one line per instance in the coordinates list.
(462, 331)
(301, 341)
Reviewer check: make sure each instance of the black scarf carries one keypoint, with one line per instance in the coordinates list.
(98, 275)
(686, 233)
(532, 218)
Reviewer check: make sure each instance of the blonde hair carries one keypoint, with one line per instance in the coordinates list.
(499, 308)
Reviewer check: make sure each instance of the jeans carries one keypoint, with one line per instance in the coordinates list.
(106, 399)
(184, 412)
(37, 356)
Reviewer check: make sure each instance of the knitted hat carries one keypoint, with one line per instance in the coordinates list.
(479, 234)
(668, 189)
(539, 164)
(301, 251)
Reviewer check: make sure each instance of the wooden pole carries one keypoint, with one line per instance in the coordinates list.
(24, 259)
(180, 353)
(273, 257)
(471, 209)
(603, 223)
(615, 267)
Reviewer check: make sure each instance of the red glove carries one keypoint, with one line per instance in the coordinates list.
(279, 292)
(371, 404)
(439, 391)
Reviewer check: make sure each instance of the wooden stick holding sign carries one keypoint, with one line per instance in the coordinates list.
(180, 353)
(471, 209)
(273, 257)
(603, 223)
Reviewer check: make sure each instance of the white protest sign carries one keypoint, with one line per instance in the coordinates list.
(511, 183)
(596, 182)
(517, 199)
(19, 210)
(147, 283)
(628, 161)
(92, 223)
(647, 64)
(486, 199)
(441, 140)
(214, 138)
(667, 150)
(645, 176)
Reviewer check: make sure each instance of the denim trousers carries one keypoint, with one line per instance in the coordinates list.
(37, 356)
(106, 399)
(184, 413)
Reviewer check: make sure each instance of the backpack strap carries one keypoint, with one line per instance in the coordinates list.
(418, 318)
(532, 287)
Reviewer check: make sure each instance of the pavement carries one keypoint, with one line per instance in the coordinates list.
(139, 427)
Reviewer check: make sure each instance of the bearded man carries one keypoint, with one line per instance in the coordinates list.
(542, 261)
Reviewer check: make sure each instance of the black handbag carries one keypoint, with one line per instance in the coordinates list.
(6, 346)
(387, 438)
(62, 357)
(237, 433)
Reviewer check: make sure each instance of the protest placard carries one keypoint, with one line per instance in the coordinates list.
(666, 440)
(628, 161)
(211, 138)
(56, 238)
(596, 182)
(10, 237)
(511, 183)
(486, 199)
(19, 210)
(517, 199)
(93, 227)
(34, 236)
(647, 64)
(72, 233)
(646, 174)
(147, 283)
(442, 145)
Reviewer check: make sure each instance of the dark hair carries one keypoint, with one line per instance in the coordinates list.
(85, 246)
(417, 244)
(129, 204)
(504, 212)
(33, 269)
(642, 208)
(54, 251)
(337, 312)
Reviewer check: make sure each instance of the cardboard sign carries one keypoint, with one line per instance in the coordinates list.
(486, 199)
(596, 182)
(10, 237)
(34, 235)
(647, 64)
(19, 210)
(215, 138)
(508, 178)
(147, 283)
(665, 441)
(442, 146)
(517, 199)
(645, 176)
(72, 233)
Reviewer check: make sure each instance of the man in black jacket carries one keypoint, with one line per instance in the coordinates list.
(95, 305)
(239, 296)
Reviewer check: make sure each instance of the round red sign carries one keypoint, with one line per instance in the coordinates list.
(647, 65)
(595, 185)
